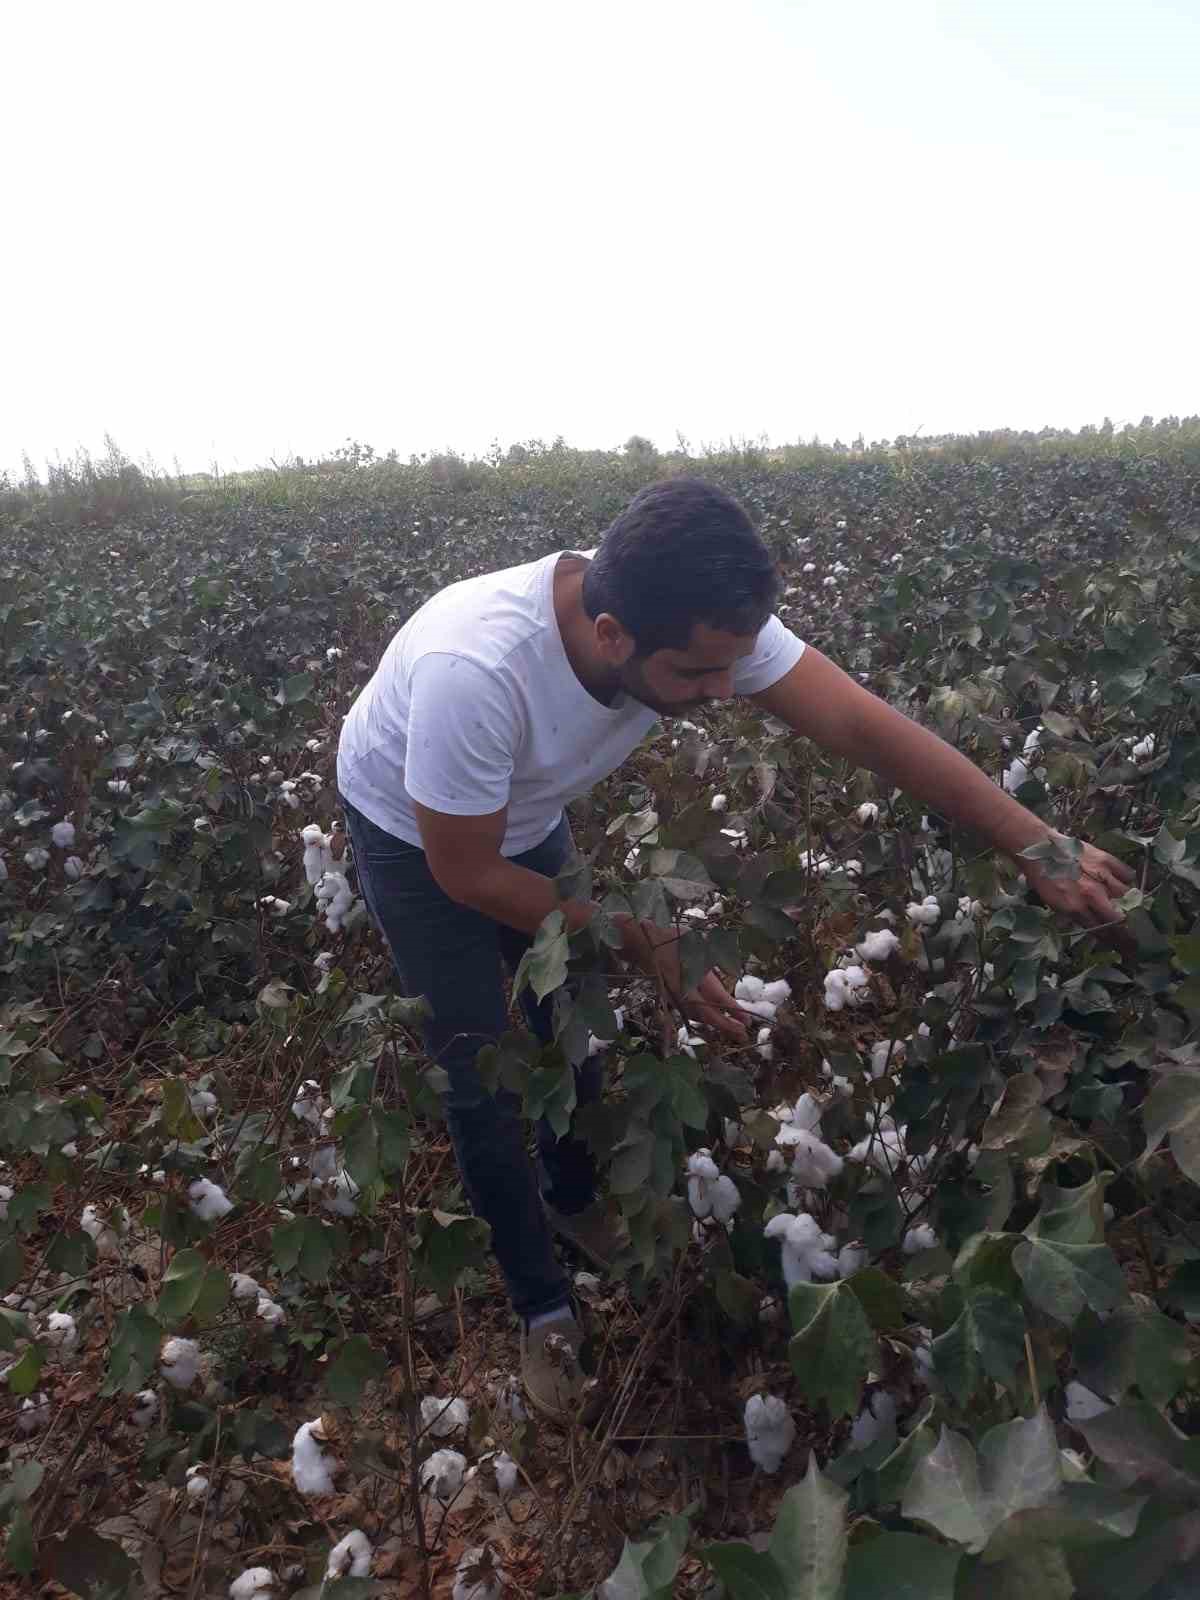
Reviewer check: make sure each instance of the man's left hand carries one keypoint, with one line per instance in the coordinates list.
(1089, 897)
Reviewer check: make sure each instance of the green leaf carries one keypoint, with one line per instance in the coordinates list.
(1173, 1107)
(747, 1574)
(356, 1364)
(544, 965)
(1183, 1291)
(944, 1491)
(295, 689)
(896, 1469)
(12, 1264)
(881, 1297)
(967, 1498)
(631, 1163)
(1140, 1447)
(1135, 1345)
(178, 1117)
(361, 1144)
(304, 1244)
(1020, 1116)
(87, 1564)
(134, 1351)
(192, 1286)
(808, 1543)
(901, 1566)
(646, 1571)
(833, 1347)
(988, 1338)
(20, 1547)
(23, 1374)
(1061, 1279)
(449, 1246)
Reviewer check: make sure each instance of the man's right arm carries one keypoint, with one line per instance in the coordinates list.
(464, 857)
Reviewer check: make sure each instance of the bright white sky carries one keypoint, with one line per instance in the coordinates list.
(239, 231)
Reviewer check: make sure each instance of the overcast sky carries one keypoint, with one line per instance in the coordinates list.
(241, 231)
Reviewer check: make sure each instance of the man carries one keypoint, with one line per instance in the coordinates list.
(507, 695)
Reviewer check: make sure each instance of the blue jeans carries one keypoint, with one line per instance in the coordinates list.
(454, 956)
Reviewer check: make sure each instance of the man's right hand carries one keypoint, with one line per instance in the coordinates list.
(656, 951)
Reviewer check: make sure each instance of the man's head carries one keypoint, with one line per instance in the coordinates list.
(677, 594)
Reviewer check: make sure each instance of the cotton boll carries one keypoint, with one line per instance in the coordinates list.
(1083, 1404)
(36, 858)
(334, 895)
(350, 1557)
(920, 1238)
(719, 802)
(311, 1466)
(967, 908)
(145, 1409)
(273, 904)
(107, 1237)
(322, 1163)
(1143, 750)
(886, 1054)
(208, 1200)
(339, 1195)
(813, 1162)
(878, 946)
(318, 856)
(710, 1194)
(867, 812)
(444, 1417)
(73, 868)
(687, 1042)
(244, 1286)
(748, 988)
(442, 1474)
(925, 913)
(333, 653)
(835, 990)
(203, 1102)
(776, 993)
(324, 962)
(882, 1150)
(270, 1312)
(804, 1252)
(307, 1105)
(874, 1420)
(61, 1332)
(6, 1194)
(256, 1583)
(63, 834)
(851, 1259)
(180, 1362)
(507, 1473)
(197, 1484)
(1033, 740)
(763, 1045)
(478, 1575)
(1015, 775)
(507, 1396)
(809, 566)
(770, 1431)
(34, 1414)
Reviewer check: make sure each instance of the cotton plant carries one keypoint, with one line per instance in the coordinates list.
(799, 1136)
(478, 1576)
(761, 999)
(770, 1431)
(846, 985)
(443, 1418)
(208, 1200)
(62, 1333)
(105, 1233)
(878, 945)
(805, 1251)
(350, 1557)
(335, 897)
(179, 1362)
(442, 1474)
(923, 913)
(312, 1467)
(256, 1583)
(318, 854)
(710, 1193)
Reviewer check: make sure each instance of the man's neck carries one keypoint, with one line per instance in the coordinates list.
(574, 627)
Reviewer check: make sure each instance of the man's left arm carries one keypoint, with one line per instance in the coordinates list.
(817, 699)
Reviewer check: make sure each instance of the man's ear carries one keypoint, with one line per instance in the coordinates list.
(615, 644)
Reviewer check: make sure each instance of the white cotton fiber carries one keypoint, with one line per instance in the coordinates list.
(311, 1466)
(770, 1431)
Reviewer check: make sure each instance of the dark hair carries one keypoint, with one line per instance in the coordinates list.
(681, 552)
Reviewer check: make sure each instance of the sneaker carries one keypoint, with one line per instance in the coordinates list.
(550, 1368)
(593, 1232)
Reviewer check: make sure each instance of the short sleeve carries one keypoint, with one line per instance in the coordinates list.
(462, 737)
(775, 653)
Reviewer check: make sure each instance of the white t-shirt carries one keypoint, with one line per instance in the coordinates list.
(475, 706)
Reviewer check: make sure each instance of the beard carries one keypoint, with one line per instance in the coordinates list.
(633, 682)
